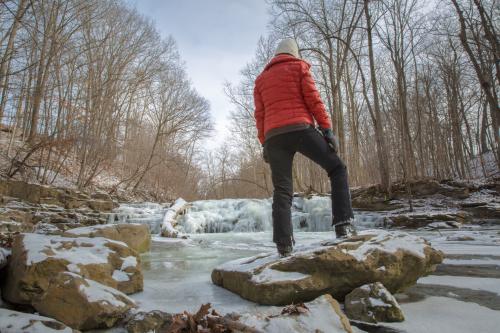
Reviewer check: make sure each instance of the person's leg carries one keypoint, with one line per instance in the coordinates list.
(314, 146)
(280, 156)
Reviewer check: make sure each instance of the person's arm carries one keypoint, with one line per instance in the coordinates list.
(313, 99)
(259, 114)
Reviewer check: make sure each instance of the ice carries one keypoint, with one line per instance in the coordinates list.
(475, 283)
(443, 314)
(253, 215)
(237, 215)
(212, 216)
(147, 213)
(485, 261)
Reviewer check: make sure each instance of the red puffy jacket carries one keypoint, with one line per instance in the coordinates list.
(285, 94)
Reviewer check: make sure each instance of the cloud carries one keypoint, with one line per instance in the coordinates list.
(215, 38)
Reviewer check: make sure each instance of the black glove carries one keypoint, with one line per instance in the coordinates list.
(264, 154)
(330, 138)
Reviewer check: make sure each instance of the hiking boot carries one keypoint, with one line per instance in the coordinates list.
(284, 250)
(345, 230)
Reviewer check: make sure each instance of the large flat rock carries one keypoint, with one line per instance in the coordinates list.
(396, 259)
(136, 236)
(36, 259)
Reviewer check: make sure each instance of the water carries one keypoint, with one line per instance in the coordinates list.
(177, 272)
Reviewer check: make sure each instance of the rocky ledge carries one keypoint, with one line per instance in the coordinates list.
(396, 259)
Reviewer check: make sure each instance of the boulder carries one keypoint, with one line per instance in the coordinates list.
(37, 258)
(321, 315)
(16, 322)
(136, 236)
(396, 259)
(81, 303)
(153, 321)
(372, 303)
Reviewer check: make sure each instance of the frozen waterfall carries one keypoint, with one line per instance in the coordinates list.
(239, 215)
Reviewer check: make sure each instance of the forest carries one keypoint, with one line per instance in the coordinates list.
(90, 92)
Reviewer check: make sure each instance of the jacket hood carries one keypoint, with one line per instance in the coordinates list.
(280, 58)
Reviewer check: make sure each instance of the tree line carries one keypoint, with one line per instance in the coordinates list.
(91, 86)
(412, 88)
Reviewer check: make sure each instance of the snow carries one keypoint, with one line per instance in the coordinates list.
(129, 261)
(120, 276)
(73, 268)
(15, 322)
(88, 230)
(99, 293)
(474, 283)
(378, 302)
(84, 252)
(320, 317)
(269, 275)
(169, 220)
(389, 242)
(443, 314)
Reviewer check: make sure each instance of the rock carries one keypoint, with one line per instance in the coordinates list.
(372, 303)
(101, 205)
(422, 219)
(9, 214)
(153, 321)
(462, 238)
(66, 197)
(321, 315)
(44, 228)
(426, 187)
(136, 236)
(12, 226)
(81, 303)
(443, 225)
(396, 259)
(38, 258)
(16, 322)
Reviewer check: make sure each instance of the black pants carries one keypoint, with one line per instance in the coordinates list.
(280, 151)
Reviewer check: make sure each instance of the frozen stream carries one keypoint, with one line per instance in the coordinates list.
(461, 296)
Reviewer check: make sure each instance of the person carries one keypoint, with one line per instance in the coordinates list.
(287, 105)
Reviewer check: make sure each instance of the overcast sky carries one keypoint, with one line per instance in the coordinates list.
(216, 39)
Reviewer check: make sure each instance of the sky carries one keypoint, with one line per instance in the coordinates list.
(216, 38)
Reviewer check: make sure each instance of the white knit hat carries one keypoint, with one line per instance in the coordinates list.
(289, 46)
